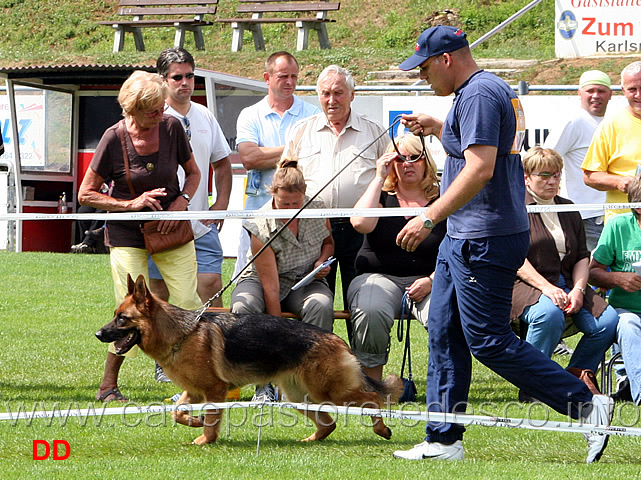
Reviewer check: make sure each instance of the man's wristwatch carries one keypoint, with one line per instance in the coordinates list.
(185, 196)
(580, 289)
(427, 223)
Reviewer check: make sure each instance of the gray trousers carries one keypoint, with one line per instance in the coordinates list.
(314, 302)
(374, 302)
(593, 228)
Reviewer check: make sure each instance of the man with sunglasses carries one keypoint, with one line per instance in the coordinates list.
(572, 137)
(482, 198)
(176, 66)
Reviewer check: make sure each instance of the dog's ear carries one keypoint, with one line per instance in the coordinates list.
(130, 284)
(140, 291)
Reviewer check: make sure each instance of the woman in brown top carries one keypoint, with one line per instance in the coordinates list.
(156, 145)
(552, 283)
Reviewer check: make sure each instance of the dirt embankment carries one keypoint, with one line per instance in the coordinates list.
(568, 71)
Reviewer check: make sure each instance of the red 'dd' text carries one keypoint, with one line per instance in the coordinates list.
(38, 454)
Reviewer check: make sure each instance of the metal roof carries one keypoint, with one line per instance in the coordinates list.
(85, 75)
(74, 74)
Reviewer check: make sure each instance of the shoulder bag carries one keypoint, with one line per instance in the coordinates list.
(156, 242)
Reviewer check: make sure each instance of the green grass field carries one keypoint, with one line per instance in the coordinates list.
(52, 304)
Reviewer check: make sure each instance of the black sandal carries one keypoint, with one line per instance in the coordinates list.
(117, 396)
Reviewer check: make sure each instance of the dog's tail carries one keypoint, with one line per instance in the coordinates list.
(389, 390)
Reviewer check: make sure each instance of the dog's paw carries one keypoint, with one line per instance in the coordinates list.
(202, 440)
(321, 433)
(384, 432)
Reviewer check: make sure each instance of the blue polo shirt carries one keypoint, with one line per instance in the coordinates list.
(259, 124)
(487, 112)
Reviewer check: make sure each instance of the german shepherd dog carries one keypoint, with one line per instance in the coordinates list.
(208, 355)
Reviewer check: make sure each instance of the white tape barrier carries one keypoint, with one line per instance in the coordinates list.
(288, 213)
(436, 417)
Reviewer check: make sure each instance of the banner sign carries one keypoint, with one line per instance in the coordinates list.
(597, 27)
(31, 114)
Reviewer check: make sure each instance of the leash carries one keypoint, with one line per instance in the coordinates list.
(407, 355)
(404, 307)
(206, 305)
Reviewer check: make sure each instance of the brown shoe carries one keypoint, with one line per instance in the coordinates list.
(588, 377)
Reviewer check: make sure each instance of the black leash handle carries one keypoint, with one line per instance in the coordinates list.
(406, 309)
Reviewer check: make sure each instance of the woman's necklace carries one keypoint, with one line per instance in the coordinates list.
(141, 139)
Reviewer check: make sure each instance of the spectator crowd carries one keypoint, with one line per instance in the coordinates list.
(481, 274)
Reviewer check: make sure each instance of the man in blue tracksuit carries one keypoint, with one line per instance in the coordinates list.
(487, 239)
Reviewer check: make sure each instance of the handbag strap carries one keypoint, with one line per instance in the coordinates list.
(125, 158)
(406, 307)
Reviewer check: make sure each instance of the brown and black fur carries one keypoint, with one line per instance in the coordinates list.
(221, 351)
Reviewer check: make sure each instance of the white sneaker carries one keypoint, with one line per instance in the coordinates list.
(620, 381)
(264, 393)
(160, 375)
(433, 451)
(602, 408)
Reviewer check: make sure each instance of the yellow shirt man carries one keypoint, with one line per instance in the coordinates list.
(613, 158)
(616, 149)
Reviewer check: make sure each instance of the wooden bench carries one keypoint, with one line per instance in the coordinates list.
(257, 8)
(161, 10)
(338, 314)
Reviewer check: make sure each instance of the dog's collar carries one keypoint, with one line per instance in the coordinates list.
(175, 348)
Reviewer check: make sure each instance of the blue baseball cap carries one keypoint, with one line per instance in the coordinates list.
(434, 41)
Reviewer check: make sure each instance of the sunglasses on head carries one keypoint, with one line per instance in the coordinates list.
(414, 158)
(408, 158)
(178, 77)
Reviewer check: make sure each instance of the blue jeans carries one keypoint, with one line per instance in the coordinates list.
(629, 340)
(470, 313)
(546, 323)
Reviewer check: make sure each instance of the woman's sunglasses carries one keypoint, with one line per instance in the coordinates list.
(414, 158)
(547, 175)
(408, 158)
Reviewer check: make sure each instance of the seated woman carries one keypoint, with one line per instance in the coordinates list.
(384, 270)
(552, 283)
(305, 244)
